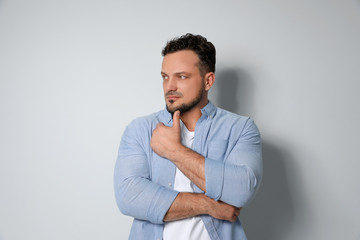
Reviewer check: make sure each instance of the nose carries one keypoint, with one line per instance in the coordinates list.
(170, 84)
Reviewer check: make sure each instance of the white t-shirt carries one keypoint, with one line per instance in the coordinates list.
(189, 228)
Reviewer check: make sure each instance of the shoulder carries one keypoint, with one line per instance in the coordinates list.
(225, 116)
(146, 122)
(139, 130)
(236, 122)
(229, 116)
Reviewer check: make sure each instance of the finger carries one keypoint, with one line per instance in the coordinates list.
(176, 120)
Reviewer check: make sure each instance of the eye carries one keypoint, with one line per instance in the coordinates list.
(182, 77)
(164, 77)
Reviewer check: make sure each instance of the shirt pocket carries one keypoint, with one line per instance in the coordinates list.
(217, 149)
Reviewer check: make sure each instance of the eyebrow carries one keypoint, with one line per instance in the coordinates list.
(178, 73)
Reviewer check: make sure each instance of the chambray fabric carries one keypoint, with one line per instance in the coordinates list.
(143, 181)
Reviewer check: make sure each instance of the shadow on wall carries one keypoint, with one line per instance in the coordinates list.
(234, 91)
(270, 215)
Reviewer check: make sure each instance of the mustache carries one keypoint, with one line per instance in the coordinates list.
(173, 93)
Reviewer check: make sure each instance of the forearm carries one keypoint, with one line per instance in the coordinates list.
(191, 164)
(188, 205)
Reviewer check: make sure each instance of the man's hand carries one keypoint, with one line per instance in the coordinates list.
(165, 141)
(224, 211)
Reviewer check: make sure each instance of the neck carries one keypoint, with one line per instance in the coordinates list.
(191, 117)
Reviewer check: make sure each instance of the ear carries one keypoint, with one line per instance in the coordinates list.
(209, 80)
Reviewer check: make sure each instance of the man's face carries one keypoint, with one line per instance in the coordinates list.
(184, 87)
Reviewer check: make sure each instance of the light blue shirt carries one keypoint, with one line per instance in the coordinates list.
(144, 181)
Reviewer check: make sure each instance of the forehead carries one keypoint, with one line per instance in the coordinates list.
(181, 61)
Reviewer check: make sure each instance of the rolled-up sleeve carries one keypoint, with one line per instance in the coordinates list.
(236, 178)
(136, 195)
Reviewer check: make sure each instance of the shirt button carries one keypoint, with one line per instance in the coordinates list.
(170, 184)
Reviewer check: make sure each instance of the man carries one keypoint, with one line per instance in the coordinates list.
(186, 171)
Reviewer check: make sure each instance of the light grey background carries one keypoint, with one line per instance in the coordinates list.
(74, 73)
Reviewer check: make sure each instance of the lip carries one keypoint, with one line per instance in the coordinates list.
(172, 97)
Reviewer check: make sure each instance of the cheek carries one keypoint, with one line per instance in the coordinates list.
(192, 90)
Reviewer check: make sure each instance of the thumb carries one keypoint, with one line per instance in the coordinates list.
(176, 120)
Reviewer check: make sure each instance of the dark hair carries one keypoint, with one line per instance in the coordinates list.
(204, 49)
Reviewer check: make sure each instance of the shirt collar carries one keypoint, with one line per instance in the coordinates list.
(208, 111)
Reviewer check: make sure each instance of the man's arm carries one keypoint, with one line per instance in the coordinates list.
(193, 204)
(233, 180)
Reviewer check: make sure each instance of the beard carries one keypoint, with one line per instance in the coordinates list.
(187, 106)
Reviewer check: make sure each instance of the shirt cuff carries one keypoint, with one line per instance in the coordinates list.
(160, 204)
(214, 177)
